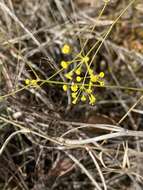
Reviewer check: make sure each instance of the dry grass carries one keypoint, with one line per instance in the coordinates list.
(45, 141)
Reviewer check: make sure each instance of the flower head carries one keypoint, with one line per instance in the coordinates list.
(65, 87)
(78, 71)
(78, 78)
(27, 81)
(92, 99)
(66, 49)
(31, 82)
(90, 71)
(88, 91)
(101, 83)
(83, 98)
(101, 74)
(74, 95)
(93, 78)
(64, 64)
(74, 87)
(69, 75)
(74, 101)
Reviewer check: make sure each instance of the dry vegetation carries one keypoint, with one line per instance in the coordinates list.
(46, 142)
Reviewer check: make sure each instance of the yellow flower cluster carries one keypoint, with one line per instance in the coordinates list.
(31, 82)
(81, 86)
(66, 49)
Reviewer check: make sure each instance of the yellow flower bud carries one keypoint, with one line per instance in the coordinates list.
(89, 90)
(102, 83)
(33, 82)
(78, 71)
(65, 87)
(83, 98)
(69, 75)
(66, 49)
(92, 99)
(90, 71)
(74, 101)
(74, 95)
(64, 64)
(78, 78)
(74, 87)
(94, 78)
(101, 74)
(27, 81)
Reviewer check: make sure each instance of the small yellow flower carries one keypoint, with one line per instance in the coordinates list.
(27, 81)
(92, 99)
(64, 64)
(78, 78)
(101, 74)
(74, 95)
(78, 71)
(66, 49)
(89, 90)
(74, 87)
(90, 71)
(94, 78)
(83, 98)
(101, 83)
(65, 87)
(33, 82)
(69, 75)
(74, 101)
